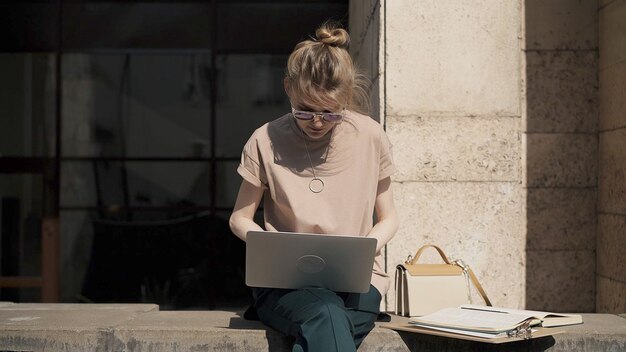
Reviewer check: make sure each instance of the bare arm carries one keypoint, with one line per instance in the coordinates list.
(248, 200)
(386, 216)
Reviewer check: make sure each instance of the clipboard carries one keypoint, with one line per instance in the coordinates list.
(540, 332)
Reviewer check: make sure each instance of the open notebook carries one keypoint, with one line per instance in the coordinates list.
(491, 322)
(547, 319)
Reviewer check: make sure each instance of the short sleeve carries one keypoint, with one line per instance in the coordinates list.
(386, 166)
(251, 165)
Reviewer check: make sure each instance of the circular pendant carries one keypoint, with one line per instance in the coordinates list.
(316, 185)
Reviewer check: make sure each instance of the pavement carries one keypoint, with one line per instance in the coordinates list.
(142, 327)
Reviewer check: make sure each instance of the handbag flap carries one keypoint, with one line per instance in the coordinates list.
(432, 269)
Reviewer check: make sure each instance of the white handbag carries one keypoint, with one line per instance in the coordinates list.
(425, 288)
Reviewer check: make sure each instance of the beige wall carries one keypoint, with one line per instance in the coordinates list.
(611, 241)
(449, 77)
(509, 133)
(560, 134)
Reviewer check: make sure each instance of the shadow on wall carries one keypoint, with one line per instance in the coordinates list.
(561, 148)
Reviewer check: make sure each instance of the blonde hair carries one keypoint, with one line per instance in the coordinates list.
(320, 72)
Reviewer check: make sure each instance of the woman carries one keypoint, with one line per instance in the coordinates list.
(322, 168)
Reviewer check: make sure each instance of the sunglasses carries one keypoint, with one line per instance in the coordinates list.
(309, 115)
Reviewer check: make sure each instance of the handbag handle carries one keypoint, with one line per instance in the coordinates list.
(473, 277)
(413, 261)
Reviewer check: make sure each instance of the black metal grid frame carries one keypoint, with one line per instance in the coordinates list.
(218, 45)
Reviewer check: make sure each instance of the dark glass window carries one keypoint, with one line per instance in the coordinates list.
(157, 99)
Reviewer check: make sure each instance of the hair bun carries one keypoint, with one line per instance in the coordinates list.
(333, 36)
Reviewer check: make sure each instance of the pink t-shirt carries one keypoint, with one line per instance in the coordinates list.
(350, 160)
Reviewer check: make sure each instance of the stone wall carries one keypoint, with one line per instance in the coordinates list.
(509, 135)
(366, 18)
(611, 241)
(560, 134)
(452, 78)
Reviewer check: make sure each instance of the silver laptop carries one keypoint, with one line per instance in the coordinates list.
(296, 260)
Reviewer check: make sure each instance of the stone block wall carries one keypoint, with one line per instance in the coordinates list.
(452, 79)
(509, 132)
(561, 145)
(366, 19)
(611, 240)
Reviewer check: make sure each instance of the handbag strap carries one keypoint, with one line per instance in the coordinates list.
(473, 277)
(480, 289)
(413, 261)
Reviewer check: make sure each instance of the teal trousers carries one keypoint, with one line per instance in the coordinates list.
(319, 319)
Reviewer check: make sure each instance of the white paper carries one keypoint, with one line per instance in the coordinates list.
(469, 319)
(463, 332)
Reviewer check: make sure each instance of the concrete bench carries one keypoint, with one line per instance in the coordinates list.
(142, 327)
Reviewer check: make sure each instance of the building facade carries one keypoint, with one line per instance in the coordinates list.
(507, 123)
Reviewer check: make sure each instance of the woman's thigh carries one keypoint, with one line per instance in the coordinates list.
(286, 310)
(283, 309)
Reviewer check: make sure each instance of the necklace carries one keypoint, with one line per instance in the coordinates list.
(316, 185)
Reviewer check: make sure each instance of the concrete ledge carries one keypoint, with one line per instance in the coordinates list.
(63, 327)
